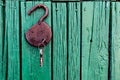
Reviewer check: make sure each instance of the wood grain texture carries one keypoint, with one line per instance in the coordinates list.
(1, 40)
(12, 25)
(3, 44)
(59, 41)
(2, 60)
(95, 26)
(73, 41)
(115, 52)
(31, 69)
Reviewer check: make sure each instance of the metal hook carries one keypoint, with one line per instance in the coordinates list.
(39, 6)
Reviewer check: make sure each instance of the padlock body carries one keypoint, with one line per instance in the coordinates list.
(39, 35)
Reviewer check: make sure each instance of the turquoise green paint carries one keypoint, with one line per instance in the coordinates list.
(59, 41)
(95, 28)
(66, 0)
(13, 52)
(27, 0)
(43, 0)
(73, 41)
(65, 45)
(115, 52)
(3, 44)
(31, 69)
(2, 70)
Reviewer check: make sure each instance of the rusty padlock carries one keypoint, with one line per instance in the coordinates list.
(39, 34)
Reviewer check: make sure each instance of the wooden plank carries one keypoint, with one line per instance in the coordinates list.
(115, 50)
(3, 44)
(1, 40)
(74, 41)
(95, 30)
(59, 41)
(31, 69)
(12, 25)
(2, 59)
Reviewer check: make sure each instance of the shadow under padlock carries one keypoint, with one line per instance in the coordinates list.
(39, 35)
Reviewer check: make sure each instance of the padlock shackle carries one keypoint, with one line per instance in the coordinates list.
(39, 6)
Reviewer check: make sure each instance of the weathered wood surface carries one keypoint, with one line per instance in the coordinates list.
(115, 48)
(91, 24)
(2, 55)
(12, 40)
(73, 31)
(59, 25)
(95, 28)
(31, 69)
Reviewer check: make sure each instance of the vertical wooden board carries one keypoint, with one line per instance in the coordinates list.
(31, 69)
(1, 43)
(95, 29)
(115, 52)
(74, 41)
(59, 41)
(12, 24)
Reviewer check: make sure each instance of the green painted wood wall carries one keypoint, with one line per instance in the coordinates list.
(85, 43)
